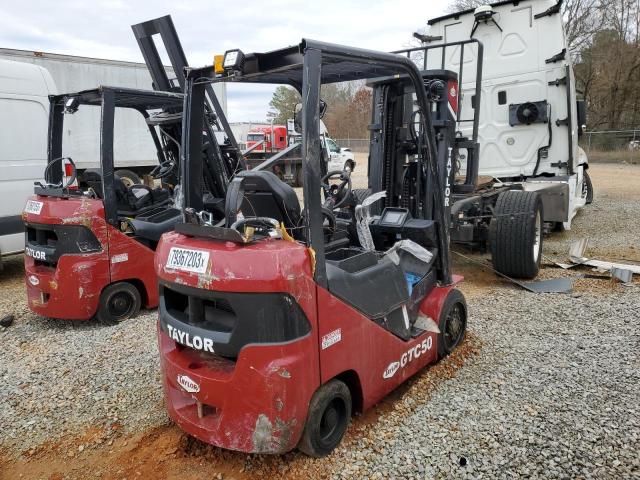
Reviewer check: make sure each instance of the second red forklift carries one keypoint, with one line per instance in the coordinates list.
(277, 321)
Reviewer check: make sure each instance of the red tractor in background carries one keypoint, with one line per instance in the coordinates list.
(266, 140)
(276, 322)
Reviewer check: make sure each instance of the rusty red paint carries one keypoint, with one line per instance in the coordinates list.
(258, 403)
(80, 278)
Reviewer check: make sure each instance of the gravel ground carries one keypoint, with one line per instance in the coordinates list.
(552, 391)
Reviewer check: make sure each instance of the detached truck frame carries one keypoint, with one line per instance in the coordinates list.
(529, 175)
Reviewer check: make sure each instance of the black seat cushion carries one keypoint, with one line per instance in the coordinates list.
(153, 226)
(265, 195)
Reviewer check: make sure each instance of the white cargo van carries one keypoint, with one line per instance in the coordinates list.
(24, 114)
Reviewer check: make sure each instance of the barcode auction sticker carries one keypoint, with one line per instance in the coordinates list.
(188, 260)
(33, 207)
(331, 338)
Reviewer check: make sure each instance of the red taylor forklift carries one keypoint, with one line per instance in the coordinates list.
(90, 244)
(90, 238)
(276, 322)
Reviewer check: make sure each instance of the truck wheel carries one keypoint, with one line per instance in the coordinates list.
(327, 420)
(587, 188)
(349, 166)
(118, 302)
(453, 323)
(516, 234)
(128, 177)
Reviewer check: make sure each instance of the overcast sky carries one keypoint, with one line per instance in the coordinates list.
(101, 28)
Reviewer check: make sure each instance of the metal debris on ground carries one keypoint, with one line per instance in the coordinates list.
(555, 285)
(626, 271)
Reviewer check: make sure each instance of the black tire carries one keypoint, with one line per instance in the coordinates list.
(128, 177)
(452, 323)
(515, 234)
(327, 420)
(588, 187)
(118, 302)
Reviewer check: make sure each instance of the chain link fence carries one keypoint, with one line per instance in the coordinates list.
(612, 145)
(355, 144)
(601, 146)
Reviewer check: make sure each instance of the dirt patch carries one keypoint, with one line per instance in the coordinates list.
(166, 452)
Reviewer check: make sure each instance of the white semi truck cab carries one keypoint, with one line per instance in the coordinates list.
(532, 173)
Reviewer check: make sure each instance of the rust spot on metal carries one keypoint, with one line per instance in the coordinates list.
(262, 434)
(269, 439)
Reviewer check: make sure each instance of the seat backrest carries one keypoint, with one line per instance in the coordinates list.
(265, 195)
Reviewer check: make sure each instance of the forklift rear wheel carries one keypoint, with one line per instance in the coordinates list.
(128, 177)
(118, 302)
(516, 234)
(453, 323)
(327, 420)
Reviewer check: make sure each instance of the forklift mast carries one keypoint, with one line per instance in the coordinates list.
(393, 164)
(221, 161)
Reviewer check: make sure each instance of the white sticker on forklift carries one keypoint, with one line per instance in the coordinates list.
(33, 207)
(331, 338)
(122, 257)
(195, 261)
(188, 384)
(407, 357)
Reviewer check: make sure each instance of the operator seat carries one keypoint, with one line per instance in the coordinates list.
(263, 194)
(132, 200)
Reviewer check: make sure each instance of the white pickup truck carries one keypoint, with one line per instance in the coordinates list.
(339, 158)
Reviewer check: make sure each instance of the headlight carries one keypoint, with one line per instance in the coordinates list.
(233, 60)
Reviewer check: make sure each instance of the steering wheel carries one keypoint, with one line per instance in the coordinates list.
(262, 225)
(163, 170)
(336, 195)
(328, 228)
(72, 177)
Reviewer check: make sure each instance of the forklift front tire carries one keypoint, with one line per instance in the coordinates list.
(118, 302)
(327, 420)
(453, 323)
(515, 234)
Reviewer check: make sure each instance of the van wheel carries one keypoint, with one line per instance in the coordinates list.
(453, 323)
(128, 177)
(118, 302)
(515, 234)
(587, 187)
(327, 420)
